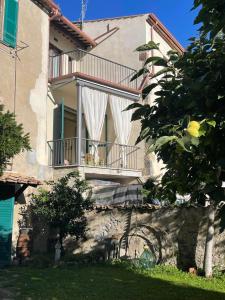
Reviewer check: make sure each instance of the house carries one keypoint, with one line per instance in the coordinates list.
(91, 133)
(24, 55)
(117, 40)
(23, 89)
(70, 89)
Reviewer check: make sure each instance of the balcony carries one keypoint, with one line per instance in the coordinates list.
(97, 154)
(80, 62)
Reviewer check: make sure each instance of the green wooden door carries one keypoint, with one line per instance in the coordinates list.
(6, 224)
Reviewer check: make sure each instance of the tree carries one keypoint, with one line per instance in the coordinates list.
(63, 205)
(12, 138)
(186, 126)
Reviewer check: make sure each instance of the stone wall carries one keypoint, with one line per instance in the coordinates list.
(174, 235)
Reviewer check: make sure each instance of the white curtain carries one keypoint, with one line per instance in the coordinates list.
(94, 105)
(122, 124)
(55, 66)
(74, 66)
(65, 64)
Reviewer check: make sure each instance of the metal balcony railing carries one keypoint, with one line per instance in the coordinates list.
(100, 154)
(92, 65)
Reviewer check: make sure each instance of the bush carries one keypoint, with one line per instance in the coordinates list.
(41, 261)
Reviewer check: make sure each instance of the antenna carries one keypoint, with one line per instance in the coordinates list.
(83, 11)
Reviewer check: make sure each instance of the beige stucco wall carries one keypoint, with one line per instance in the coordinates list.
(23, 87)
(120, 46)
(23, 90)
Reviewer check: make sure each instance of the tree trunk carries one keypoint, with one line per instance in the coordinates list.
(209, 245)
(61, 236)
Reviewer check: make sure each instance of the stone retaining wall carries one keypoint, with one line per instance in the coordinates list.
(174, 235)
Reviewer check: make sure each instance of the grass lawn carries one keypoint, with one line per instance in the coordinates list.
(105, 282)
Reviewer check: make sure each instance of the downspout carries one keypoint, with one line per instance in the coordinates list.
(152, 54)
(152, 40)
(152, 51)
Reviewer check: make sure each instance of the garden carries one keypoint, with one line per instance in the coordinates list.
(107, 281)
(185, 124)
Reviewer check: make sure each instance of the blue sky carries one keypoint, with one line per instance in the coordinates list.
(175, 14)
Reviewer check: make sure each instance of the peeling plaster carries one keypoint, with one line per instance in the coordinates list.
(38, 97)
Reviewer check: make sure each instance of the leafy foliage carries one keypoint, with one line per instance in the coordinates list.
(13, 140)
(211, 16)
(186, 126)
(64, 205)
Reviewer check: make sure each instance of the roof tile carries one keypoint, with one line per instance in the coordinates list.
(11, 177)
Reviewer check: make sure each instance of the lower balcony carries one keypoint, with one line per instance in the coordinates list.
(96, 157)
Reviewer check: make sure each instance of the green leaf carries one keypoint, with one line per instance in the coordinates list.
(139, 73)
(181, 142)
(172, 52)
(211, 123)
(161, 63)
(195, 141)
(132, 106)
(156, 61)
(148, 89)
(161, 141)
(137, 115)
(163, 71)
(196, 4)
(186, 121)
(150, 46)
(145, 132)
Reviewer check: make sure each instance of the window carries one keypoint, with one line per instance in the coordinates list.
(8, 21)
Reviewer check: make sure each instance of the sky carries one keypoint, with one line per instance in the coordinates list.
(176, 15)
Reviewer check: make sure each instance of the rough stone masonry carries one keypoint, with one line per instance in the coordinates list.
(173, 235)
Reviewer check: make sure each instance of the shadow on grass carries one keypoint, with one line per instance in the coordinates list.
(102, 283)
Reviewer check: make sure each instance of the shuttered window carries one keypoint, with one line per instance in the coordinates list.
(10, 22)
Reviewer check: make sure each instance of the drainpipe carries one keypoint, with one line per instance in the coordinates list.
(152, 40)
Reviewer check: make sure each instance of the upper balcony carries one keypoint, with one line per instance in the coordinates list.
(79, 63)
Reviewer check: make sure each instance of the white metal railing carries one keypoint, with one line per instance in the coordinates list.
(92, 65)
(63, 152)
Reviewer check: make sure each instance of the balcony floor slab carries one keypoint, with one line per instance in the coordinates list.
(98, 172)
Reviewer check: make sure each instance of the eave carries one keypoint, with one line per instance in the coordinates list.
(73, 31)
(164, 33)
(65, 24)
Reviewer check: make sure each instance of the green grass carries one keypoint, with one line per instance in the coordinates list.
(105, 282)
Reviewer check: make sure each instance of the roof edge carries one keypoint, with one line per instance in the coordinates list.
(165, 33)
(54, 12)
(114, 18)
(16, 178)
(48, 5)
(81, 33)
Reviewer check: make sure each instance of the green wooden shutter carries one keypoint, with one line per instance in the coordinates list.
(58, 134)
(6, 224)
(59, 112)
(10, 22)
